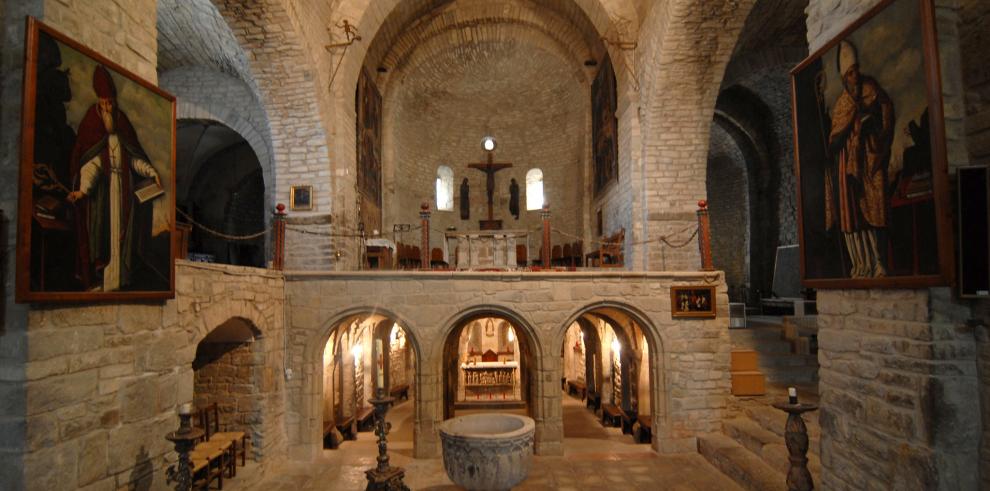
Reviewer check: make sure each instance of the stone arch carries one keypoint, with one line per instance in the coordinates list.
(743, 116)
(534, 388)
(371, 17)
(655, 339)
(311, 392)
(203, 93)
(286, 79)
(684, 51)
(494, 310)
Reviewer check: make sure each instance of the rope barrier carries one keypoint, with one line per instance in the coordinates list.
(662, 239)
(322, 234)
(221, 234)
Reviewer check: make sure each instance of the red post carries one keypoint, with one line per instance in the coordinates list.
(545, 214)
(705, 237)
(424, 250)
(278, 240)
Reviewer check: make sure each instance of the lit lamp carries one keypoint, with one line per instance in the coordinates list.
(356, 354)
(488, 143)
(184, 439)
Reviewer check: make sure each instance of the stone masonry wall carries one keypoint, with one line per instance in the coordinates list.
(899, 374)
(104, 380)
(689, 358)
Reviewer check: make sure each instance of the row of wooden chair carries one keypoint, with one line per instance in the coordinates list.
(216, 453)
(408, 257)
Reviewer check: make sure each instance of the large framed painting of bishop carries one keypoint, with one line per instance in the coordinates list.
(97, 178)
(870, 155)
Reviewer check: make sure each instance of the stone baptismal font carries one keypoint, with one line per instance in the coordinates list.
(489, 451)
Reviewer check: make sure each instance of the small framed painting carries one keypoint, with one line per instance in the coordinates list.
(301, 198)
(692, 301)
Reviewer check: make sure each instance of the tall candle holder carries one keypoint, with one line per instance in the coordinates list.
(796, 438)
(184, 439)
(384, 477)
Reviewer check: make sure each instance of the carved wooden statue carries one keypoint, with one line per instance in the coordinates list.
(514, 199)
(465, 200)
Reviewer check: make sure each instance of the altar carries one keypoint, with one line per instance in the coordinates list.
(484, 249)
(490, 380)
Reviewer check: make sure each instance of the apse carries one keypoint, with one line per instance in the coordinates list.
(516, 70)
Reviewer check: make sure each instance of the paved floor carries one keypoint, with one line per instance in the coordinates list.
(601, 458)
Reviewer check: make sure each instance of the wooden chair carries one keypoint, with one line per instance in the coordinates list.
(235, 442)
(610, 253)
(436, 259)
(555, 255)
(577, 254)
(521, 253)
(207, 466)
(565, 257)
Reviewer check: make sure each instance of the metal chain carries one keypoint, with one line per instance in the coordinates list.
(221, 234)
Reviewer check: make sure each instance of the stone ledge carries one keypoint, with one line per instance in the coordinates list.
(712, 277)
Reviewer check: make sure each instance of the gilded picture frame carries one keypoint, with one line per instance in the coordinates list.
(692, 301)
(97, 162)
(870, 156)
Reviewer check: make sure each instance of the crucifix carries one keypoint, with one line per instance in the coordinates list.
(490, 168)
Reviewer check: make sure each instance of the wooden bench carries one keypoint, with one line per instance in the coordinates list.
(365, 418)
(401, 390)
(611, 415)
(609, 254)
(346, 428)
(578, 388)
(643, 431)
(594, 401)
(628, 419)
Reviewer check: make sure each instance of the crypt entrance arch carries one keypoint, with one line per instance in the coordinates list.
(363, 351)
(614, 354)
(489, 363)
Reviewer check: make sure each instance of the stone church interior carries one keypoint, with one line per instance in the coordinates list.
(494, 244)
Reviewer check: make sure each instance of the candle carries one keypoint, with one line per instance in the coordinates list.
(185, 409)
(381, 356)
(792, 395)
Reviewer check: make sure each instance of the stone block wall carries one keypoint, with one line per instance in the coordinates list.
(974, 35)
(898, 382)
(104, 380)
(689, 358)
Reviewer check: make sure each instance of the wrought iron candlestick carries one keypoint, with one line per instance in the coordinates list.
(185, 439)
(796, 438)
(384, 477)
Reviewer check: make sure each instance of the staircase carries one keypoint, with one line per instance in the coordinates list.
(778, 359)
(751, 451)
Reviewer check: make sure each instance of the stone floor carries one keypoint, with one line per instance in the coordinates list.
(627, 466)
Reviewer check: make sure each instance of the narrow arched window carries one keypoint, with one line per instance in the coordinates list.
(445, 188)
(534, 189)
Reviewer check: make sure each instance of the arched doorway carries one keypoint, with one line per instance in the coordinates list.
(488, 365)
(221, 186)
(607, 379)
(364, 354)
(229, 373)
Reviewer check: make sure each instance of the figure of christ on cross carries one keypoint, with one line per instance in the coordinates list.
(490, 168)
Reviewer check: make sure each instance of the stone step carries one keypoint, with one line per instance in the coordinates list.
(739, 464)
(791, 375)
(766, 444)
